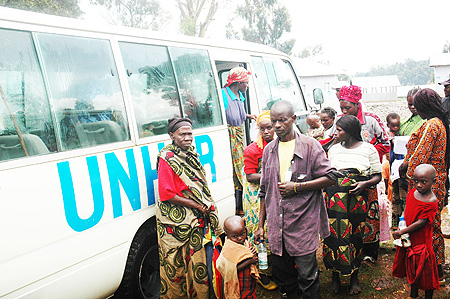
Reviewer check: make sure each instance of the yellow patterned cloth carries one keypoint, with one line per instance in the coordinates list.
(236, 135)
(182, 255)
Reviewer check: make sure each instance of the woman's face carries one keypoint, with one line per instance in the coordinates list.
(327, 121)
(348, 108)
(182, 137)
(411, 107)
(341, 135)
(266, 130)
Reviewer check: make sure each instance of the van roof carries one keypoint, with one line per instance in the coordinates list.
(33, 18)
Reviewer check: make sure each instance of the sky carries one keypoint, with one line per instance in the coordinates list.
(355, 34)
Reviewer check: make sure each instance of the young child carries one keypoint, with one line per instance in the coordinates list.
(393, 123)
(418, 262)
(237, 261)
(316, 129)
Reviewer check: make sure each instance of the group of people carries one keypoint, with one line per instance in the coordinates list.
(297, 191)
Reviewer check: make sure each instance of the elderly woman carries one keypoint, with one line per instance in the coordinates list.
(233, 100)
(430, 145)
(252, 169)
(349, 200)
(183, 210)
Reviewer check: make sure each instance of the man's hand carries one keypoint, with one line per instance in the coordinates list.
(286, 188)
(259, 235)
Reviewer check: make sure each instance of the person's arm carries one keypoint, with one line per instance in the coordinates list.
(247, 262)
(410, 229)
(186, 202)
(254, 178)
(259, 233)
(291, 188)
(251, 116)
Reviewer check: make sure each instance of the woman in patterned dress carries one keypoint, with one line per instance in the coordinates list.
(430, 145)
(349, 200)
(252, 170)
(183, 210)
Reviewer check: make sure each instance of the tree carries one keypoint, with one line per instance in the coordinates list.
(66, 8)
(410, 72)
(146, 14)
(191, 13)
(446, 48)
(267, 21)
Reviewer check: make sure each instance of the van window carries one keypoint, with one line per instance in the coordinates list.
(84, 90)
(25, 120)
(198, 92)
(276, 80)
(152, 84)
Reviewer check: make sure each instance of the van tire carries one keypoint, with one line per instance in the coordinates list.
(141, 278)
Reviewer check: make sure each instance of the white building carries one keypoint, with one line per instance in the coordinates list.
(315, 75)
(378, 88)
(441, 64)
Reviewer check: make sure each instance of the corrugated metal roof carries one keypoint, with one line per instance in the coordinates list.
(376, 81)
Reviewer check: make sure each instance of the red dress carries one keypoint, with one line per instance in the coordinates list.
(418, 262)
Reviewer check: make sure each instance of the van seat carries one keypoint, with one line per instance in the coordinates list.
(100, 132)
(10, 147)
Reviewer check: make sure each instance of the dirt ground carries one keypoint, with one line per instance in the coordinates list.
(376, 279)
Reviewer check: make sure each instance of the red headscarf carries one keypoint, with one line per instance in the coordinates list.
(352, 94)
(237, 74)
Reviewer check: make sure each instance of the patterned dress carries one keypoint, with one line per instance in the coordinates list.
(354, 219)
(181, 230)
(428, 145)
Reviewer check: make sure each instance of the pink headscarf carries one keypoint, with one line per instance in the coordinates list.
(350, 93)
(237, 74)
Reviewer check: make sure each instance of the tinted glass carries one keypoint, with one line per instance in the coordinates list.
(25, 120)
(198, 92)
(84, 89)
(152, 85)
(276, 80)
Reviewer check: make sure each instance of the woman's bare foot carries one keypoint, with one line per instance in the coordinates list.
(355, 287)
(335, 283)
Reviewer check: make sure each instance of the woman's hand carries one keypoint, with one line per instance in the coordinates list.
(252, 116)
(204, 209)
(286, 188)
(359, 187)
(403, 169)
(259, 235)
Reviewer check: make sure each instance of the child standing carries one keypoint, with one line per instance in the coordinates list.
(418, 262)
(237, 261)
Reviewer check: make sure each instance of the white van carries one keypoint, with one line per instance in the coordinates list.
(83, 115)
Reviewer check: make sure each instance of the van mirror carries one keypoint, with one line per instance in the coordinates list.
(318, 96)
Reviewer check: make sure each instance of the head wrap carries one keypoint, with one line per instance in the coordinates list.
(263, 116)
(350, 93)
(351, 125)
(178, 122)
(237, 74)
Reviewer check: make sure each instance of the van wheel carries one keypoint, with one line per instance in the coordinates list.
(141, 277)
